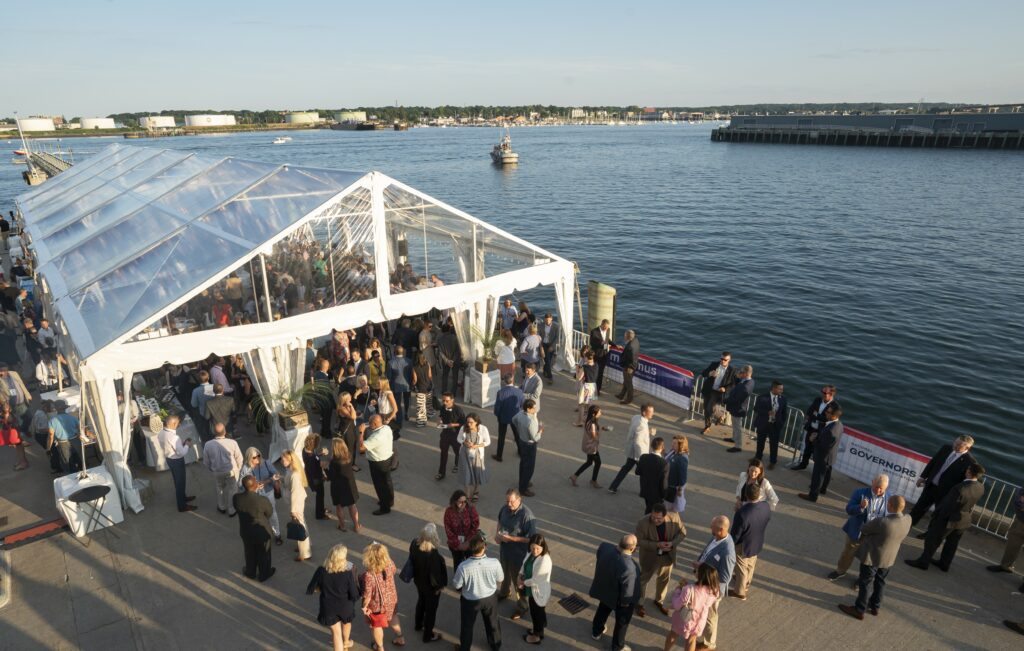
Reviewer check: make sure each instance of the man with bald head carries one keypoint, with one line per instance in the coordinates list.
(880, 542)
(720, 554)
(865, 505)
(616, 586)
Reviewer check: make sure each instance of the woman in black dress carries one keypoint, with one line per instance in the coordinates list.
(344, 493)
(339, 592)
(430, 577)
(347, 424)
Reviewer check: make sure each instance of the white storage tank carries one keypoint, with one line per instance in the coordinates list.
(209, 120)
(98, 123)
(307, 117)
(157, 122)
(350, 116)
(36, 124)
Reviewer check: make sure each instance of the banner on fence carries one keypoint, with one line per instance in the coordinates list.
(665, 381)
(862, 457)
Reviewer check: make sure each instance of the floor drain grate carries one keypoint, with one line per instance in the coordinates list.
(573, 603)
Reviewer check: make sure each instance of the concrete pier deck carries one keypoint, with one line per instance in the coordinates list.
(173, 581)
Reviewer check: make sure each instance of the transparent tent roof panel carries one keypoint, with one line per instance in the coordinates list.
(67, 178)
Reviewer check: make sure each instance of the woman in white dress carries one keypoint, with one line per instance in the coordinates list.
(266, 476)
(505, 353)
(473, 439)
(297, 483)
(755, 475)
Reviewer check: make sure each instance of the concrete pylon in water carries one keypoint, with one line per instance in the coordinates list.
(600, 305)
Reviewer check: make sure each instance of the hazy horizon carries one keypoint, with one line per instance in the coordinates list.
(121, 57)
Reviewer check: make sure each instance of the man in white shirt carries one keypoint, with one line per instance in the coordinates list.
(174, 452)
(223, 458)
(200, 395)
(46, 374)
(638, 443)
(378, 442)
(217, 377)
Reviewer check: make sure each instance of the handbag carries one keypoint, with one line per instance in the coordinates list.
(295, 531)
(406, 575)
(686, 610)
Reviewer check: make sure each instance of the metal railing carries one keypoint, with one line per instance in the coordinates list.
(993, 514)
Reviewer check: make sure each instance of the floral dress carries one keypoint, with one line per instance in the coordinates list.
(380, 597)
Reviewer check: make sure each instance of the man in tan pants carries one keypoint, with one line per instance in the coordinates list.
(748, 529)
(865, 505)
(658, 535)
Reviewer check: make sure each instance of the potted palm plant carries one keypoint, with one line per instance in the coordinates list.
(295, 405)
(483, 380)
(487, 341)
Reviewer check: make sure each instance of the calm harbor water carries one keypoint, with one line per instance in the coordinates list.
(893, 274)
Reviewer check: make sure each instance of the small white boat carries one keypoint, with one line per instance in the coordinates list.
(502, 153)
(280, 140)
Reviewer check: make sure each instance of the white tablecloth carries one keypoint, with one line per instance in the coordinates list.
(71, 395)
(155, 456)
(77, 517)
(293, 439)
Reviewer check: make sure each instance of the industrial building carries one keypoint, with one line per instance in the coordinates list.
(210, 121)
(350, 116)
(157, 122)
(36, 124)
(98, 123)
(306, 117)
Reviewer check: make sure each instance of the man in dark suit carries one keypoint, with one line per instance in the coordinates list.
(550, 333)
(736, 405)
(814, 419)
(616, 586)
(769, 417)
(718, 380)
(628, 360)
(880, 541)
(946, 469)
(254, 513)
(600, 343)
(826, 448)
(653, 471)
(748, 529)
(951, 519)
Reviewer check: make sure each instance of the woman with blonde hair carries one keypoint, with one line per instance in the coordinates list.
(339, 592)
(297, 484)
(505, 353)
(268, 483)
(380, 596)
(678, 460)
(347, 417)
(430, 576)
(344, 493)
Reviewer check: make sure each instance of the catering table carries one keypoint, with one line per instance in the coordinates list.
(78, 515)
(186, 430)
(70, 395)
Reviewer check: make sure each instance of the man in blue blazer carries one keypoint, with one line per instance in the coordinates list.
(507, 403)
(616, 586)
(865, 505)
(720, 554)
(736, 405)
(748, 529)
(769, 417)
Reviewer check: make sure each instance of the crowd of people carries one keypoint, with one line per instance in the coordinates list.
(378, 379)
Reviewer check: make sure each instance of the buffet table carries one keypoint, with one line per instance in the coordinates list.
(72, 396)
(79, 516)
(186, 430)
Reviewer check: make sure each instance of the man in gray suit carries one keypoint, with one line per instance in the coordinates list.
(721, 555)
(951, 519)
(878, 545)
(532, 385)
(550, 332)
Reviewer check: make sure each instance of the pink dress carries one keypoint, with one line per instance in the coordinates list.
(700, 599)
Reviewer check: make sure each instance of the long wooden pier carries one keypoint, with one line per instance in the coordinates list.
(1013, 140)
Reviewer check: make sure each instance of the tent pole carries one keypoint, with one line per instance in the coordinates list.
(330, 258)
(266, 287)
(255, 297)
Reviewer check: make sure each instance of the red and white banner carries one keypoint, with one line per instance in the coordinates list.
(862, 457)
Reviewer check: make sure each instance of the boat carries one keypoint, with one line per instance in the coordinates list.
(401, 126)
(502, 153)
(20, 152)
(347, 125)
(280, 140)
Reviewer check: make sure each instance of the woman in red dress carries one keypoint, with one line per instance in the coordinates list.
(380, 597)
(9, 435)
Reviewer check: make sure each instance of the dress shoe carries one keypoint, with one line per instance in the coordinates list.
(705, 430)
(799, 467)
(641, 611)
(527, 493)
(851, 611)
(496, 458)
(805, 496)
(944, 568)
(728, 439)
(188, 507)
(220, 510)
(278, 540)
(917, 562)
(382, 511)
(741, 597)
(190, 498)
(661, 607)
(734, 449)
(873, 611)
(1013, 626)
(833, 575)
(597, 636)
(269, 574)
(997, 568)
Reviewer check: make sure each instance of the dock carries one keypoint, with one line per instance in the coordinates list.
(164, 580)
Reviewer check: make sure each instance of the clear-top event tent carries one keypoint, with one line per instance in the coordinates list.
(126, 241)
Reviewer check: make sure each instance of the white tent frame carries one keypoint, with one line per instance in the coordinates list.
(121, 358)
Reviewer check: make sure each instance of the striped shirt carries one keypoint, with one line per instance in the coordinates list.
(478, 577)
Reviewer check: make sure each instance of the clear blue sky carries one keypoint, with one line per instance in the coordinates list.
(84, 58)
